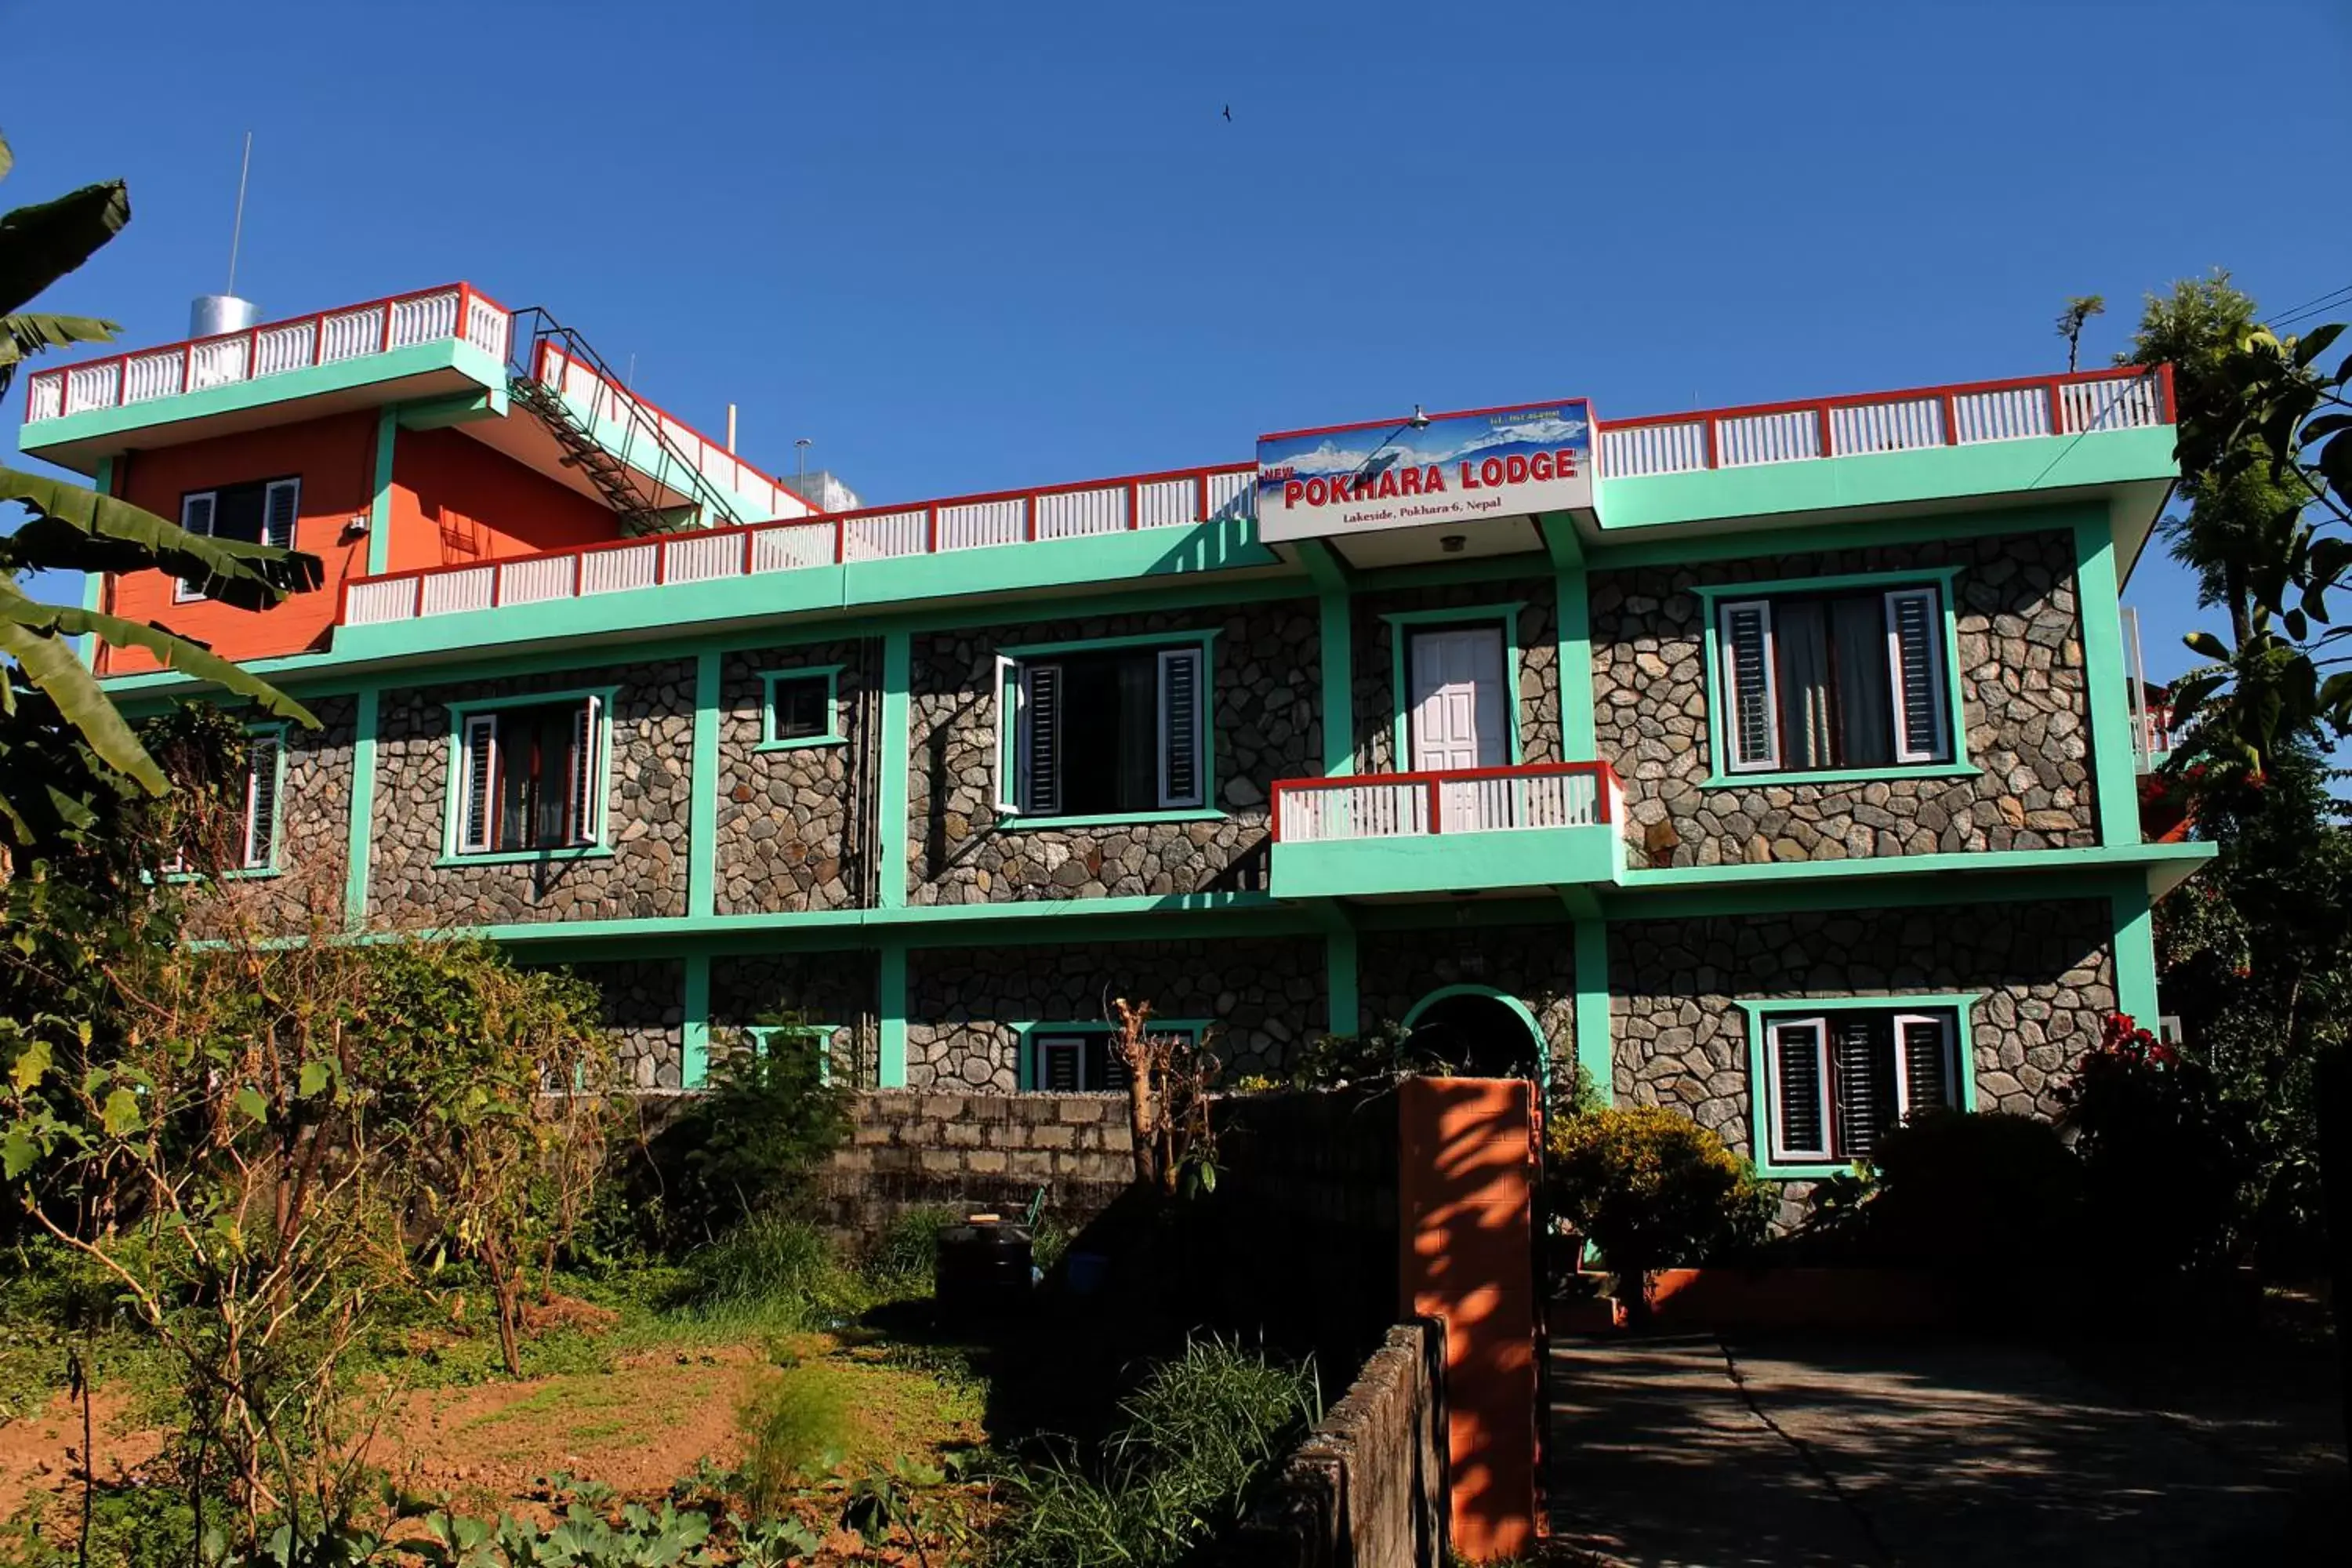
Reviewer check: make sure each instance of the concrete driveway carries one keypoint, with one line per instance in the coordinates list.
(1729, 1451)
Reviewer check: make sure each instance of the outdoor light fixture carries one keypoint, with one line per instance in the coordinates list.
(1419, 421)
(1452, 543)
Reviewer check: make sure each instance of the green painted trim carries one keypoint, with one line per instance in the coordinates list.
(1435, 864)
(2136, 988)
(452, 787)
(1562, 543)
(1203, 635)
(1596, 1057)
(93, 583)
(2073, 862)
(1698, 547)
(1580, 739)
(1402, 624)
(457, 408)
(2107, 681)
(358, 844)
(1025, 1058)
(445, 355)
(1962, 1004)
(694, 1064)
(1335, 622)
(702, 780)
(895, 745)
(1525, 1016)
(1340, 981)
(1945, 578)
(2041, 464)
(761, 1038)
(379, 545)
(829, 673)
(890, 1006)
(1013, 822)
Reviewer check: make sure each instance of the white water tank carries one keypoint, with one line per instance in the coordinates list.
(215, 315)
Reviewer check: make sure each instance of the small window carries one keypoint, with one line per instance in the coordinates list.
(250, 839)
(800, 708)
(814, 1038)
(1835, 1083)
(1814, 682)
(531, 778)
(1079, 1061)
(1100, 734)
(263, 513)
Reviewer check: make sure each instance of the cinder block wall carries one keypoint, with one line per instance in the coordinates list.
(909, 1148)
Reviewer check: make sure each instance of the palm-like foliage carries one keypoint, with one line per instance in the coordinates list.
(64, 748)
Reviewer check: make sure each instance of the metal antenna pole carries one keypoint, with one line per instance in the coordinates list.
(236, 232)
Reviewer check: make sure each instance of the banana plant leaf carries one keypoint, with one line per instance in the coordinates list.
(42, 243)
(75, 529)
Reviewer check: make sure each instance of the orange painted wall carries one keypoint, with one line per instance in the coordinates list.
(456, 502)
(335, 458)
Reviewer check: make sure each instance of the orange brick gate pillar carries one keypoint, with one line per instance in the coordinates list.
(1465, 1201)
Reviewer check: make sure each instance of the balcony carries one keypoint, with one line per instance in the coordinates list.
(1402, 836)
(1001, 519)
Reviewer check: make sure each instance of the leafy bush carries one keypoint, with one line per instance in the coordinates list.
(751, 1142)
(1193, 1443)
(901, 1261)
(1653, 1189)
(771, 1269)
(1967, 1191)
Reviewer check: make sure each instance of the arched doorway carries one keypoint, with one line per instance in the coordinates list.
(1479, 1032)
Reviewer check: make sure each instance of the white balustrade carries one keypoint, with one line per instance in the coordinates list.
(2006, 414)
(1494, 802)
(217, 362)
(93, 386)
(45, 398)
(615, 570)
(293, 346)
(889, 534)
(1312, 812)
(1629, 451)
(792, 547)
(349, 335)
(1856, 428)
(1750, 439)
(487, 327)
(2134, 404)
(1164, 503)
(372, 604)
(152, 375)
(425, 319)
(1231, 495)
(1072, 514)
(1320, 813)
(979, 524)
(701, 557)
(537, 578)
(466, 588)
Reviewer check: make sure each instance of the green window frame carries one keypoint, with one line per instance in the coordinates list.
(1029, 731)
(1403, 624)
(1038, 1044)
(1812, 1143)
(465, 735)
(821, 1036)
(1926, 711)
(829, 735)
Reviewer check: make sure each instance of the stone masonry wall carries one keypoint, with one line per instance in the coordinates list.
(836, 988)
(1375, 664)
(912, 1149)
(2024, 715)
(787, 832)
(1264, 671)
(644, 1012)
(314, 807)
(1535, 965)
(1267, 994)
(650, 755)
(2047, 968)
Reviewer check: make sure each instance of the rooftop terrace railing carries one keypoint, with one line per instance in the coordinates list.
(1961, 416)
(453, 311)
(1467, 800)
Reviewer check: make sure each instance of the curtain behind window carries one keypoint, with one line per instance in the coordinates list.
(1808, 720)
(1866, 722)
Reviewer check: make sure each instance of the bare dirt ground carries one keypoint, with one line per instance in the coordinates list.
(41, 1452)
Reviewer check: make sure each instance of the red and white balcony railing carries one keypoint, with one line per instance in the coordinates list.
(604, 403)
(453, 311)
(1175, 499)
(1961, 416)
(1470, 800)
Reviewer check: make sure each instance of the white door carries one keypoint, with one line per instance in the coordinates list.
(1458, 708)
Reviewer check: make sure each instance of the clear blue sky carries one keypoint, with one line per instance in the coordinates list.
(984, 245)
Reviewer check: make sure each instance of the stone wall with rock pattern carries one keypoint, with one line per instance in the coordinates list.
(836, 988)
(1374, 676)
(2024, 714)
(1265, 669)
(650, 757)
(1266, 993)
(314, 807)
(644, 1012)
(1535, 965)
(788, 818)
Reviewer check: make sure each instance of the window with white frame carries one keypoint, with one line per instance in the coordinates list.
(262, 513)
(1080, 1059)
(250, 835)
(531, 778)
(1837, 1080)
(1101, 732)
(1815, 681)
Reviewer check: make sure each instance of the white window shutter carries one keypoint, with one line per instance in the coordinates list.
(262, 753)
(1915, 670)
(1925, 1075)
(1008, 729)
(279, 505)
(1797, 1073)
(479, 807)
(1041, 739)
(1751, 727)
(585, 804)
(1181, 726)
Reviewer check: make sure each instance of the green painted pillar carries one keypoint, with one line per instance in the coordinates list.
(2134, 953)
(890, 792)
(1579, 740)
(360, 835)
(891, 1007)
(387, 433)
(702, 807)
(1340, 974)
(694, 1069)
(1338, 657)
(1595, 1053)
(2112, 771)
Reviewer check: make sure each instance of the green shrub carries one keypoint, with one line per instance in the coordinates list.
(773, 1270)
(1965, 1191)
(1193, 1443)
(796, 1426)
(1653, 1189)
(900, 1260)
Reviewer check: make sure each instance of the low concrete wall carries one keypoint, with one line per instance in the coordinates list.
(909, 1148)
(1368, 1488)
